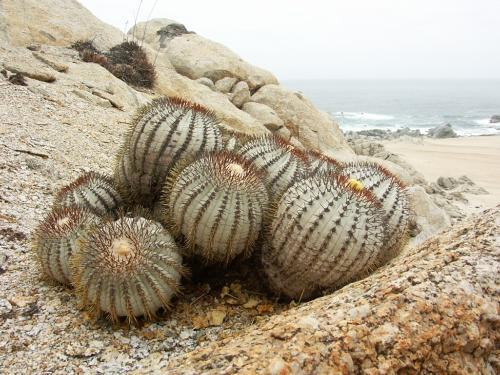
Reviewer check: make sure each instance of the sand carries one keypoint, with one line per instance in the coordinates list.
(475, 157)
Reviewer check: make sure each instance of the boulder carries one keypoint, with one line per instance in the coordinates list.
(53, 22)
(225, 84)
(495, 119)
(157, 32)
(265, 115)
(169, 82)
(194, 56)
(433, 309)
(240, 94)
(313, 128)
(442, 131)
(206, 82)
(429, 218)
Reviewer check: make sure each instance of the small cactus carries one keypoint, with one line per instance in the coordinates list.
(162, 133)
(323, 234)
(55, 240)
(127, 268)
(320, 163)
(282, 163)
(92, 191)
(390, 191)
(217, 203)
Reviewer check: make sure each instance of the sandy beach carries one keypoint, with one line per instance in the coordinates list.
(476, 157)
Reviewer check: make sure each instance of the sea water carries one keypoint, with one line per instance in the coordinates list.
(418, 104)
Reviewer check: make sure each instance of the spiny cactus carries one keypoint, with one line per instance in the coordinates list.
(390, 191)
(282, 163)
(93, 191)
(163, 132)
(217, 203)
(127, 268)
(320, 163)
(55, 240)
(324, 233)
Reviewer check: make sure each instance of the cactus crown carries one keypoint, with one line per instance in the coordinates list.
(162, 133)
(127, 268)
(217, 203)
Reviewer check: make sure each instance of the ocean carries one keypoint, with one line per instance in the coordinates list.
(418, 104)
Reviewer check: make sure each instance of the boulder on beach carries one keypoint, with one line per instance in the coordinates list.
(495, 119)
(442, 131)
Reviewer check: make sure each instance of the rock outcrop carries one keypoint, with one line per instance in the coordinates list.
(442, 131)
(495, 119)
(433, 309)
(53, 22)
(313, 128)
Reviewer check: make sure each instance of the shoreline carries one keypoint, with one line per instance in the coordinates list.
(477, 157)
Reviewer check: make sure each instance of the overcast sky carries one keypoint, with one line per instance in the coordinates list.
(329, 39)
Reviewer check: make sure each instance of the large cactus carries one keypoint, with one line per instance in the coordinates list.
(325, 232)
(217, 203)
(163, 132)
(320, 163)
(55, 240)
(282, 163)
(391, 193)
(127, 268)
(93, 191)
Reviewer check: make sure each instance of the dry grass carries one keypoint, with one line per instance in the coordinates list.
(126, 61)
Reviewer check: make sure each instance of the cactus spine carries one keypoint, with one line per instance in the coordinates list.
(323, 234)
(92, 191)
(163, 132)
(217, 203)
(127, 268)
(390, 191)
(55, 240)
(282, 163)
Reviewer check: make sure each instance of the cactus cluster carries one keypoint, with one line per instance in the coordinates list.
(217, 203)
(161, 134)
(321, 223)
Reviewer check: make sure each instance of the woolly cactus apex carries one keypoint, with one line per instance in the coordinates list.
(92, 191)
(217, 203)
(282, 163)
(163, 132)
(55, 240)
(127, 268)
(323, 234)
(390, 191)
(320, 163)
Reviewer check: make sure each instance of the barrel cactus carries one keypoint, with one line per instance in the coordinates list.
(55, 240)
(217, 204)
(391, 193)
(128, 268)
(163, 132)
(320, 163)
(282, 163)
(325, 232)
(93, 191)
